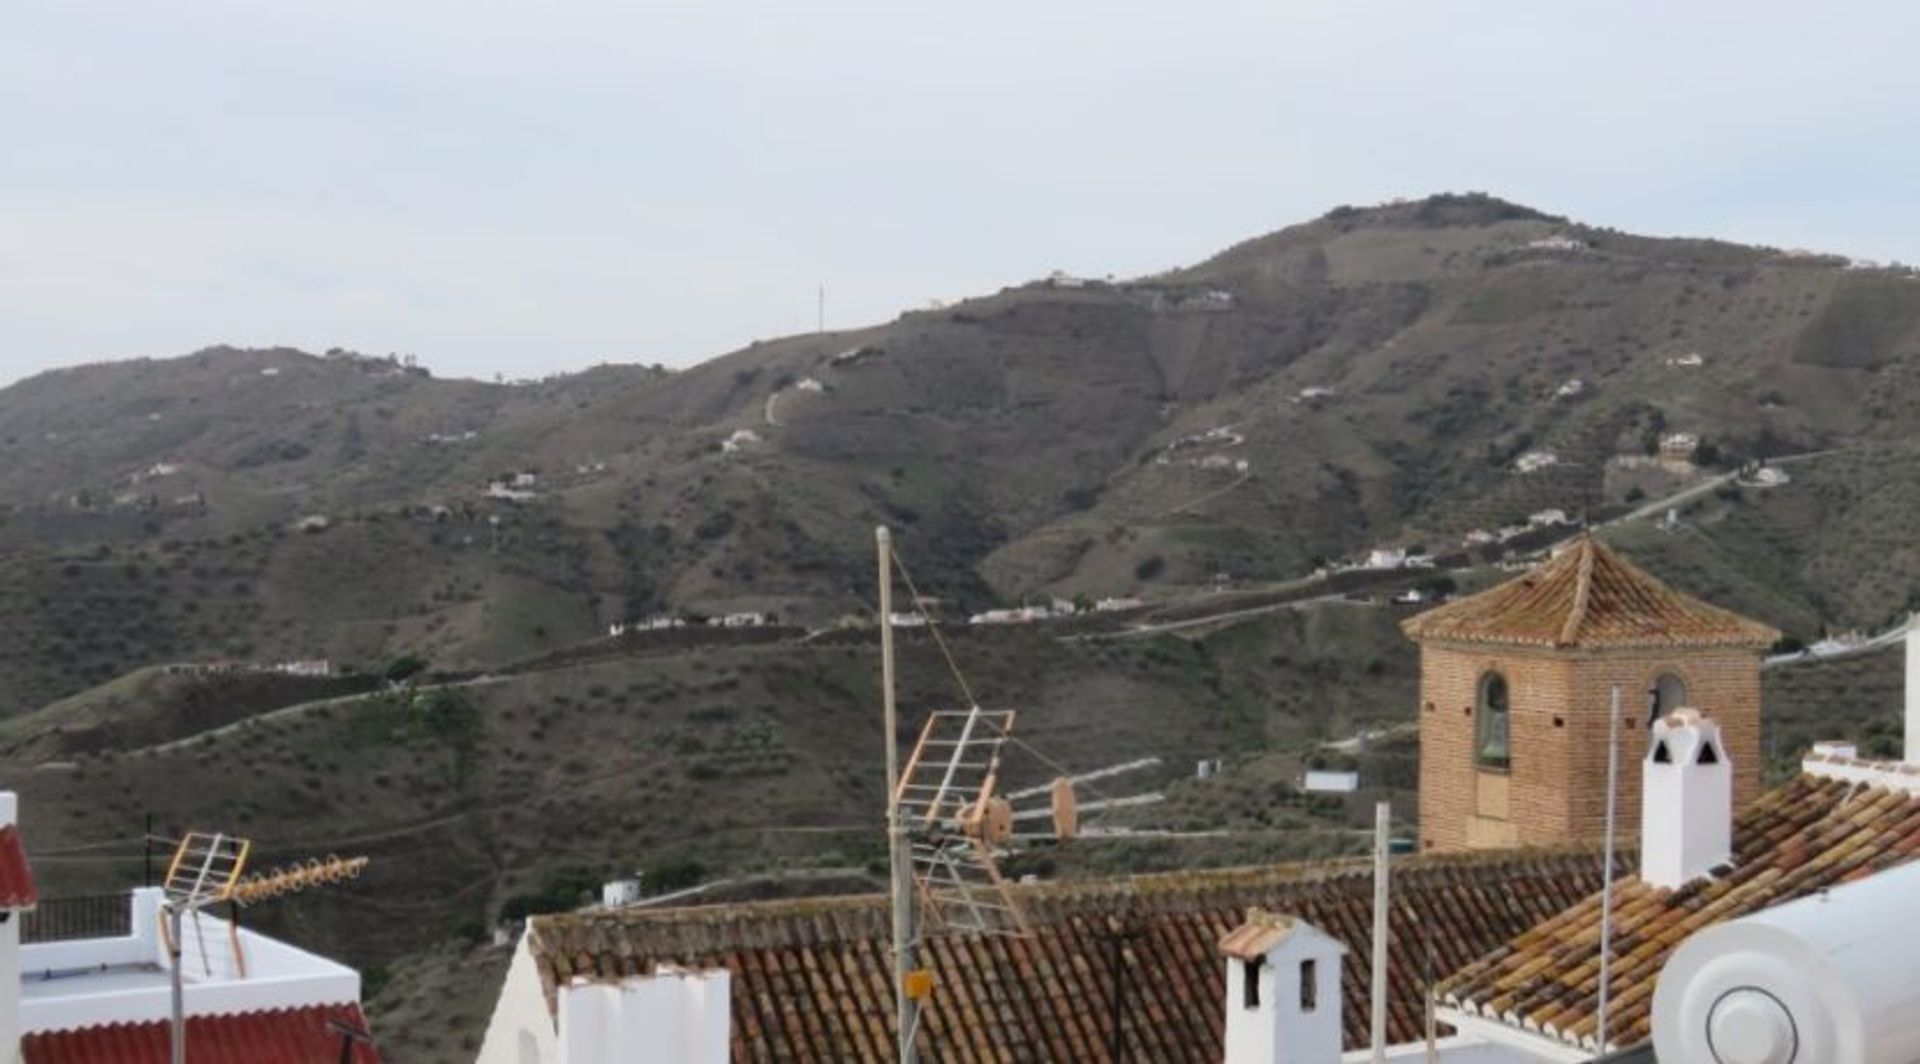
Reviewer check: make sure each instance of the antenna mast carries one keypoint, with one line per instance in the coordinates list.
(1382, 827)
(1606, 888)
(899, 858)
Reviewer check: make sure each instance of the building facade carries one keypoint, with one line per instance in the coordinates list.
(1516, 686)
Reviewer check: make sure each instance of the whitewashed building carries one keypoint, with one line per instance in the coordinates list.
(1385, 558)
(1330, 781)
(667, 1015)
(246, 996)
(1535, 461)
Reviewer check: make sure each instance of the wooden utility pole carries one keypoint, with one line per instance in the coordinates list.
(899, 858)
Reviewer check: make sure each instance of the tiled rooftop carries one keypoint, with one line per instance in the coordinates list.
(1587, 596)
(1803, 837)
(283, 1036)
(1257, 937)
(811, 977)
(17, 888)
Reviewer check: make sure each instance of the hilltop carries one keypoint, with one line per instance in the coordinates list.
(1368, 377)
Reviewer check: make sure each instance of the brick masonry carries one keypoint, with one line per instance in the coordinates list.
(1555, 785)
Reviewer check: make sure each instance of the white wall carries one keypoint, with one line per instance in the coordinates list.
(669, 1017)
(277, 975)
(520, 1017)
(9, 956)
(10, 1023)
(1913, 690)
(1454, 1049)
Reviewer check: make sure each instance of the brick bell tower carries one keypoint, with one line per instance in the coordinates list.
(1514, 690)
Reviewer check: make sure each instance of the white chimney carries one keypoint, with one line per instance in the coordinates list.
(1283, 992)
(1913, 690)
(1686, 808)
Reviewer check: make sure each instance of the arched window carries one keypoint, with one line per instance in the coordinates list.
(1490, 722)
(1669, 694)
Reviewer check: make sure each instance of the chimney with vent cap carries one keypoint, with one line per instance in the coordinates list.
(1283, 992)
(1686, 818)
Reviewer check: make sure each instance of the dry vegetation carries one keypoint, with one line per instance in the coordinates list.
(1014, 442)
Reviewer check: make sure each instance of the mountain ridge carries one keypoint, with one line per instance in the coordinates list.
(1366, 377)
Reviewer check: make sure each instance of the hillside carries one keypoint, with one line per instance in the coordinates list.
(1201, 439)
(1378, 372)
(479, 798)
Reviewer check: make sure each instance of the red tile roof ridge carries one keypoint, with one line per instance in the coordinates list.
(1892, 774)
(1136, 886)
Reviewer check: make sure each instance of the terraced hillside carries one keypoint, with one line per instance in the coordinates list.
(1372, 376)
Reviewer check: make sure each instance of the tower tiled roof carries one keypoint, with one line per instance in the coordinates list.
(1133, 962)
(1587, 596)
(1805, 836)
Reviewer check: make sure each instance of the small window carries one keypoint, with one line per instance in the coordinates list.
(1309, 985)
(1250, 982)
(1490, 724)
(1669, 694)
(1661, 755)
(1707, 755)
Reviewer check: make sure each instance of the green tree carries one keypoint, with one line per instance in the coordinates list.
(405, 667)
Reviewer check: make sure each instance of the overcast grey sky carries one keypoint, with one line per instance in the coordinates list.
(524, 188)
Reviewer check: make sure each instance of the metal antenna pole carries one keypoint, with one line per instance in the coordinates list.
(1606, 888)
(898, 857)
(179, 1029)
(1382, 825)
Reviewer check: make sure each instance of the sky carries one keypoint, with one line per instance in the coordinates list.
(523, 189)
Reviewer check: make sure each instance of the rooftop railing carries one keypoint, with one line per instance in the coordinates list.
(78, 916)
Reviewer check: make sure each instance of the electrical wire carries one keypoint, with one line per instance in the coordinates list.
(966, 689)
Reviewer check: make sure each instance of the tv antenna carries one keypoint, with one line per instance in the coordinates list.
(209, 868)
(948, 825)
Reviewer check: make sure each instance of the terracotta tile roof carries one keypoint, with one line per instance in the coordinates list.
(282, 1036)
(811, 977)
(17, 888)
(1803, 837)
(1257, 937)
(1587, 596)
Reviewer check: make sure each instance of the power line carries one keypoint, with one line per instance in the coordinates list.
(966, 689)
